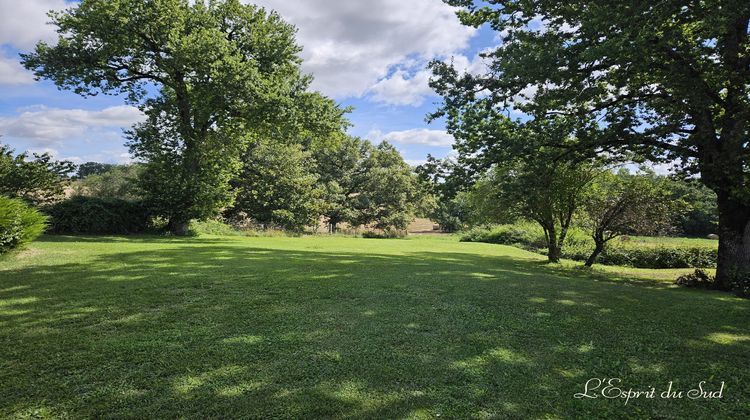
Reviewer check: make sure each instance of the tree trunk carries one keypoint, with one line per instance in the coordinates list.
(553, 246)
(179, 227)
(598, 248)
(734, 242)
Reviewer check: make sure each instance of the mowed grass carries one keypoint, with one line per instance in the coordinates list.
(336, 327)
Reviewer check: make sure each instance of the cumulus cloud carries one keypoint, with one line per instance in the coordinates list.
(44, 126)
(24, 23)
(403, 89)
(11, 73)
(418, 136)
(351, 45)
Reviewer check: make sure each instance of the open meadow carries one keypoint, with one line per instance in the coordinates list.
(341, 327)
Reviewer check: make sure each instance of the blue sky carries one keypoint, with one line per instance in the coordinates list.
(367, 54)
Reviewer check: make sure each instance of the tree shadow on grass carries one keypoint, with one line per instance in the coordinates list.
(239, 331)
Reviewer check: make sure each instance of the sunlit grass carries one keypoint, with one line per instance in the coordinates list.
(235, 327)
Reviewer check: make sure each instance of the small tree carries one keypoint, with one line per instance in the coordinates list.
(617, 204)
(546, 191)
(39, 180)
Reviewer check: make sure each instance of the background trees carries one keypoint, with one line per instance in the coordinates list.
(662, 81)
(38, 180)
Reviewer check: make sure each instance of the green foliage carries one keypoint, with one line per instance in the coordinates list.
(579, 245)
(210, 77)
(639, 81)
(212, 227)
(537, 188)
(99, 216)
(93, 168)
(116, 181)
(617, 204)
(701, 216)
(277, 187)
(387, 192)
(19, 224)
(40, 180)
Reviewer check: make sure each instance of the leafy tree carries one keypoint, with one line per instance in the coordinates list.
(446, 179)
(549, 192)
(210, 77)
(338, 167)
(277, 187)
(701, 217)
(92, 168)
(665, 81)
(617, 204)
(118, 181)
(39, 180)
(387, 190)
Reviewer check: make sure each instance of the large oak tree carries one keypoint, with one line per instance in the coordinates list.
(210, 76)
(667, 80)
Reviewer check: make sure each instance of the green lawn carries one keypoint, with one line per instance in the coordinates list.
(351, 328)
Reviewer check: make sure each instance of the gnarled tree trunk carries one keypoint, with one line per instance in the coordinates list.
(734, 242)
(598, 248)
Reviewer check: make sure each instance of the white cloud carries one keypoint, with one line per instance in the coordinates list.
(12, 73)
(402, 89)
(44, 126)
(23, 23)
(418, 136)
(351, 45)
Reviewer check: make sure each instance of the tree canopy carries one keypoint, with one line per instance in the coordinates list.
(665, 81)
(210, 77)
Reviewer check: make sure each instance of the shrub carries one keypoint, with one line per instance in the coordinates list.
(699, 279)
(19, 224)
(212, 227)
(387, 234)
(99, 216)
(578, 246)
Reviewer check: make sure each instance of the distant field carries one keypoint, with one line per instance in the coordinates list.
(336, 327)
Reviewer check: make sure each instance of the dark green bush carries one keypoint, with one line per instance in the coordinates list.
(578, 247)
(659, 257)
(19, 224)
(98, 216)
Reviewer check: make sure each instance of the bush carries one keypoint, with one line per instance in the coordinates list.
(578, 246)
(98, 216)
(212, 227)
(659, 257)
(19, 224)
(699, 279)
(388, 234)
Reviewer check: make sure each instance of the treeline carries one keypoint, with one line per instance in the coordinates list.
(280, 186)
